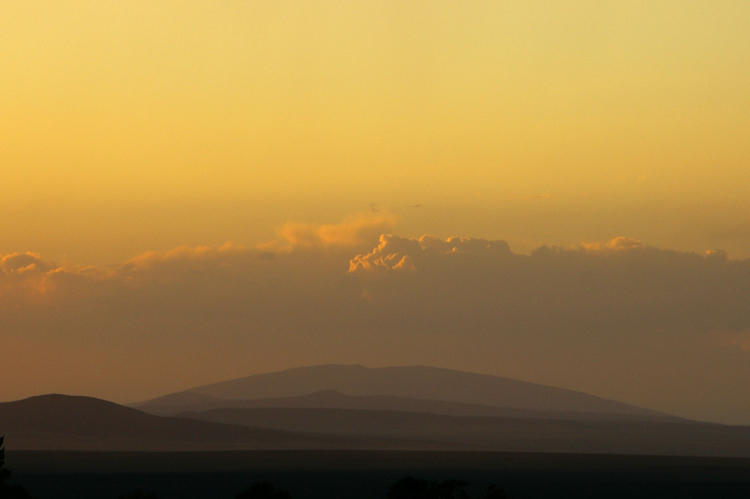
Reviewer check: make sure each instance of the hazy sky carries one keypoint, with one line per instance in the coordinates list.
(129, 127)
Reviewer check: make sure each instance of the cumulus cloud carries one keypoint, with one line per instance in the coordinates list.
(201, 255)
(621, 309)
(616, 244)
(397, 253)
(18, 263)
(24, 278)
(618, 285)
(352, 232)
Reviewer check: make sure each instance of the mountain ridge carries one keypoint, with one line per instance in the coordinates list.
(415, 382)
(59, 422)
(65, 422)
(174, 404)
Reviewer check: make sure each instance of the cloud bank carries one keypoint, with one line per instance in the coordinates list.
(621, 319)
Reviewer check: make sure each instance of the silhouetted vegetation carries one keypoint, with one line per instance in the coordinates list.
(9, 491)
(263, 490)
(494, 492)
(413, 488)
(138, 494)
(4, 472)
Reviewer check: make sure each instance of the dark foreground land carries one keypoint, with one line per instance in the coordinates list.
(368, 474)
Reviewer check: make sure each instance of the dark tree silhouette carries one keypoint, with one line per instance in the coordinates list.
(138, 494)
(9, 491)
(494, 492)
(4, 472)
(413, 488)
(408, 488)
(263, 490)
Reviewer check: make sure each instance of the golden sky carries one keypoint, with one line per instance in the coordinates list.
(133, 125)
(130, 128)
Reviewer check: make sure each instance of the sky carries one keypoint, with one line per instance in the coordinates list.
(194, 191)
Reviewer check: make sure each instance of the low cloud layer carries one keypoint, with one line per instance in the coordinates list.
(621, 319)
(619, 285)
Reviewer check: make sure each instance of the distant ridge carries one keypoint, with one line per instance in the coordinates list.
(506, 434)
(409, 382)
(175, 404)
(62, 422)
(59, 422)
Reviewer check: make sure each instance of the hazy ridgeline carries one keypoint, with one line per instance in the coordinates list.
(359, 441)
(376, 409)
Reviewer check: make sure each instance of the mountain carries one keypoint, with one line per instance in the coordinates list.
(61, 422)
(411, 382)
(684, 438)
(58, 422)
(175, 404)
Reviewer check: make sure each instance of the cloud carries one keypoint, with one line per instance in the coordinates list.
(621, 285)
(352, 232)
(18, 263)
(616, 244)
(618, 285)
(183, 256)
(24, 279)
(397, 253)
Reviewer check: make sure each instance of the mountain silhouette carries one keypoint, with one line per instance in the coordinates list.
(411, 382)
(51, 422)
(175, 404)
(59, 422)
